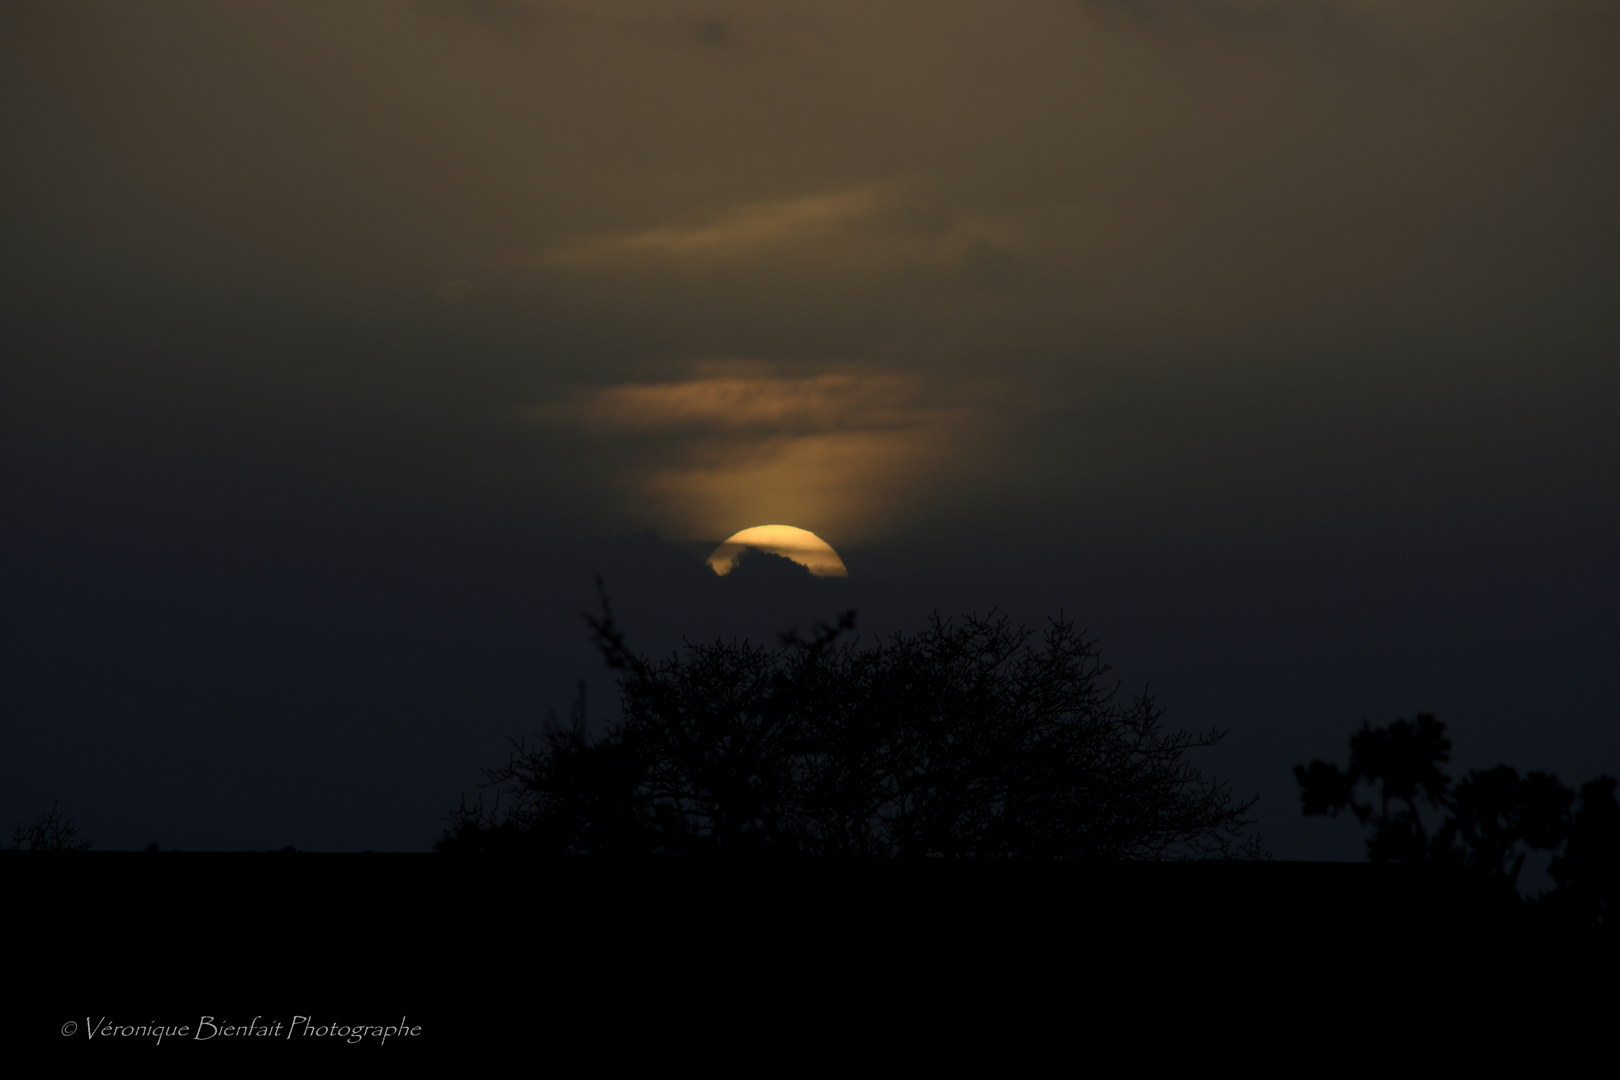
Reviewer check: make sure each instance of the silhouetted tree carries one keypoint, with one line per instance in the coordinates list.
(1487, 824)
(1587, 870)
(50, 831)
(1401, 763)
(971, 738)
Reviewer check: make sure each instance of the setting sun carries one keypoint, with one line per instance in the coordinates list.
(801, 545)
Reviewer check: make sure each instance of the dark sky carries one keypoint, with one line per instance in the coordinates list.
(1276, 343)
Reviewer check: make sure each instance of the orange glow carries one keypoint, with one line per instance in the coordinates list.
(848, 450)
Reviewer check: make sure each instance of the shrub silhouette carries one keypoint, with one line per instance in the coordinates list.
(971, 738)
(50, 831)
(1486, 824)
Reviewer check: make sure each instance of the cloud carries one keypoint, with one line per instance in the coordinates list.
(1128, 194)
(759, 405)
(838, 451)
(874, 224)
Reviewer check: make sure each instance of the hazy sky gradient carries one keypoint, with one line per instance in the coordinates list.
(1310, 301)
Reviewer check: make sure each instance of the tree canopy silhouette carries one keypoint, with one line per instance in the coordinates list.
(971, 738)
(1486, 824)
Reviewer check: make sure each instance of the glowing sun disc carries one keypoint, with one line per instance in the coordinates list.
(801, 545)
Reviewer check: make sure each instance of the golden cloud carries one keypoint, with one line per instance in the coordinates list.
(836, 451)
(881, 224)
(783, 406)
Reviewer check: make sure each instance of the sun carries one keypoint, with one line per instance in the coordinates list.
(801, 545)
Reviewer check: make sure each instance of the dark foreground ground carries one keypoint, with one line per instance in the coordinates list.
(482, 955)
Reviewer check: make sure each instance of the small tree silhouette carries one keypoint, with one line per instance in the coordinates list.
(1486, 824)
(50, 831)
(1587, 870)
(971, 738)
(1401, 763)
